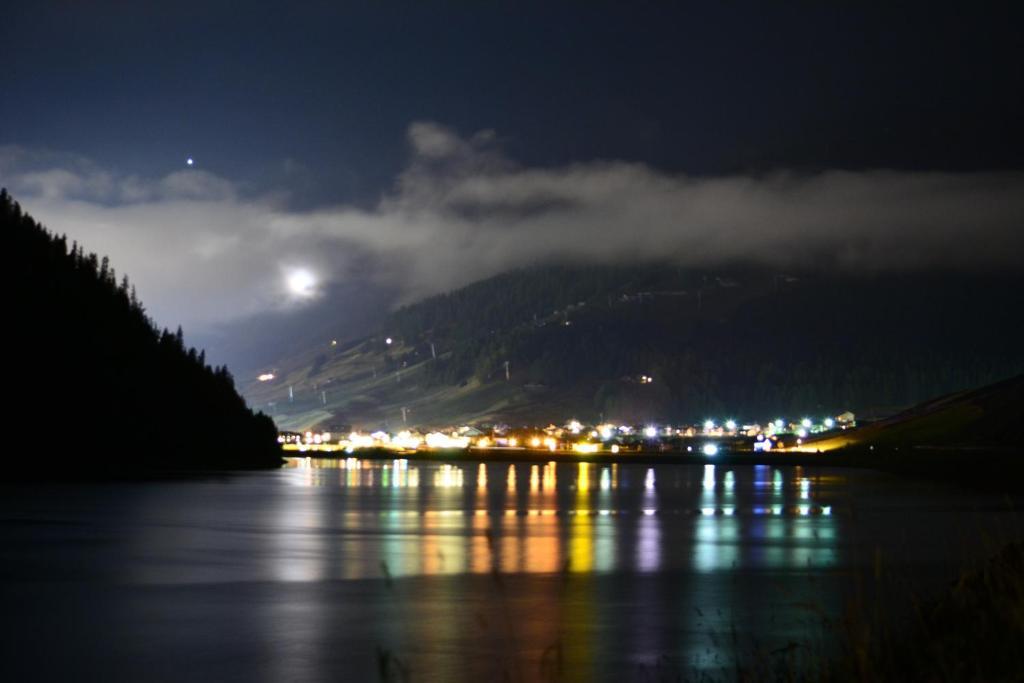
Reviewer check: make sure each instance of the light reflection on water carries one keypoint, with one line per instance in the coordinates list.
(463, 571)
(413, 518)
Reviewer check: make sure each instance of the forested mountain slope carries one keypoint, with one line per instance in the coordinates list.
(93, 385)
(581, 341)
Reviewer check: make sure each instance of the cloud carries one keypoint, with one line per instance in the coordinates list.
(202, 249)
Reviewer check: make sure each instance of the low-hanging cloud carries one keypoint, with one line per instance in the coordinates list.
(203, 250)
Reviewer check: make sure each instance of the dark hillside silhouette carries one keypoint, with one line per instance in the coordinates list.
(92, 385)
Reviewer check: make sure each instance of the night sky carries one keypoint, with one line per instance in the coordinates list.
(414, 147)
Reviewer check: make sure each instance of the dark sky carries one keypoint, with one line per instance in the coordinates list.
(723, 87)
(410, 148)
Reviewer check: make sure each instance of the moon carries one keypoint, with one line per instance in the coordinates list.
(301, 283)
(189, 161)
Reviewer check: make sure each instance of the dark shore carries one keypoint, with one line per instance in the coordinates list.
(120, 467)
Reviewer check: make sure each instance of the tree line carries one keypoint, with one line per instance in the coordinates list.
(95, 384)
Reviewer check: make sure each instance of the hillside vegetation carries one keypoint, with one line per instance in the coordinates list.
(94, 385)
(987, 418)
(580, 340)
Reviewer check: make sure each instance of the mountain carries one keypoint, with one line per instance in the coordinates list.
(987, 418)
(658, 343)
(251, 342)
(93, 386)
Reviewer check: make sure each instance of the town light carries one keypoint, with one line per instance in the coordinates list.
(441, 440)
(407, 441)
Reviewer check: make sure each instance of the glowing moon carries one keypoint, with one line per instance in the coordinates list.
(189, 161)
(301, 283)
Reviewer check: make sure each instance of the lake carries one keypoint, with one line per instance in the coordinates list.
(427, 571)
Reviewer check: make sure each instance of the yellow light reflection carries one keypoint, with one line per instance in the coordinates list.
(448, 476)
(581, 530)
(548, 481)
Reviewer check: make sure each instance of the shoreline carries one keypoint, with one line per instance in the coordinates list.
(992, 471)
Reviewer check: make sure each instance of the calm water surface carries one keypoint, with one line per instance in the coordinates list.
(358, 570)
